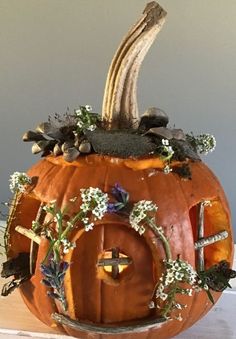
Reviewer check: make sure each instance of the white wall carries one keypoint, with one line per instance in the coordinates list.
(55, 53)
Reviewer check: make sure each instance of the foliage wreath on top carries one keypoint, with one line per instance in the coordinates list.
(83, 132)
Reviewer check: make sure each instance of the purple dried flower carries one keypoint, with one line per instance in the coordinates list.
(120, 194)
(63, 266)
(46, 282)
(54, 274)
(114, 207)
(46, 270)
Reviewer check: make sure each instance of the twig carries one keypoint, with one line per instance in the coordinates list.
(200, 230)
(211, 239)
(28, 233)
(92, 328)
(33, 245)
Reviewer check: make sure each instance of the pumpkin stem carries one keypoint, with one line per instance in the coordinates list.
(120, 109)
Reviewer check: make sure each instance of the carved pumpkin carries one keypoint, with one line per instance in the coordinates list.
(112, 301)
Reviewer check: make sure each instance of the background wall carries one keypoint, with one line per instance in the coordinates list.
(56, 53)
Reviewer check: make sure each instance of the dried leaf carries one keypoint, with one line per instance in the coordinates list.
(178, 134)
(32, 136)
(48, 129)
(161, 131)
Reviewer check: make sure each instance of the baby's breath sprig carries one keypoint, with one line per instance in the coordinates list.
(53, 266)
(203, 143)
(95, 204)
(85, 119)
(141, 213)
(166, 153)
(19, 181)
(176, 273)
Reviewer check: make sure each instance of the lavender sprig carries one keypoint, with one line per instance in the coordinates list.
(54, 274)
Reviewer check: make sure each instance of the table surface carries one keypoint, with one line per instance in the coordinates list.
(16, 322)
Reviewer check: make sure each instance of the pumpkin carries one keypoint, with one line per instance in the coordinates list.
(111, 301)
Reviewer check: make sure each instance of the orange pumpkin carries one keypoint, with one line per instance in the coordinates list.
(100, 305)
(91, 298)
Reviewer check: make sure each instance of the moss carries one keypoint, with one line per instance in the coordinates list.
(120, 143)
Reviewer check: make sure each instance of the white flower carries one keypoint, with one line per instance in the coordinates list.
(165, 142)
(94, 201)
(179, 275)
(167, 169)
(197, 288)
(179, 317)
(67, 245)
(80, 123)
(178, 306)
(73, 199)
(78, 112)
(189, 291)
(163, 296)
(88, 108)
(169, 279)
(91, 128)
(85, 207)
(19, 181)
(35, 225)
(151, 304)
(89, 227)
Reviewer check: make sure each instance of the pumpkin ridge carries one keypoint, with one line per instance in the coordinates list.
(65, 198)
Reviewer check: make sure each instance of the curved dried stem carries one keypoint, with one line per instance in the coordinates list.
(120, 109)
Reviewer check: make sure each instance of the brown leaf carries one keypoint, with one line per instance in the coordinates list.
(32, 136)
(161, 131)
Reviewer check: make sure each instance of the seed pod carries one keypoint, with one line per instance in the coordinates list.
(43, 145)
(71, 154)
(85, 147)
(57, 150)
(66, 145)
(36, 148)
